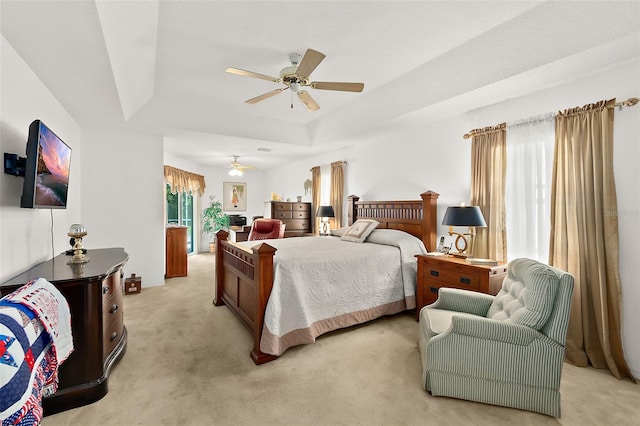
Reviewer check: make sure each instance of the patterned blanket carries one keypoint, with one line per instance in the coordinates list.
(35, 338)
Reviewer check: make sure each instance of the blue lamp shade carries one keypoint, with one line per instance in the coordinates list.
(325, 211)
(464, 216)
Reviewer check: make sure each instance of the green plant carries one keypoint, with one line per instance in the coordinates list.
(214, 218)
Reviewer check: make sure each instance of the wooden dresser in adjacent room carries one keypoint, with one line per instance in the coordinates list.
(176, 252)
(94, 291)
(296, 216)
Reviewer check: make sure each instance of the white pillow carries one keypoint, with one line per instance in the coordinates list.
(360, 230)
(339, 232)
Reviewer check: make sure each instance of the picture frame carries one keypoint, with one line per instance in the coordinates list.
(234, 196)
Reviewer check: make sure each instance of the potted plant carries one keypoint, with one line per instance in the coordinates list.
(213, 219)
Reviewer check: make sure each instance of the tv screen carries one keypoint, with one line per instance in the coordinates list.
(46, 179)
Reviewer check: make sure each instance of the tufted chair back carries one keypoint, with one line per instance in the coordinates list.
(530, 295)
(265, 229)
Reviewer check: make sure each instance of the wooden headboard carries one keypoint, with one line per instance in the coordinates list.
(417, 217)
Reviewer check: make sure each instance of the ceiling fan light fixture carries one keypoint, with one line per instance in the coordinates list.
(235, 172)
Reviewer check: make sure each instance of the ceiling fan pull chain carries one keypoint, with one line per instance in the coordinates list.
(291, 98)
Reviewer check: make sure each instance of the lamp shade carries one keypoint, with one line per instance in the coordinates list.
(464, 216)
(325, 211)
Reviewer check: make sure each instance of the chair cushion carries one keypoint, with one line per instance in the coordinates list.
(527, 294)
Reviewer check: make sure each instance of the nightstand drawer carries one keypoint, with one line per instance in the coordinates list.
(452, 278)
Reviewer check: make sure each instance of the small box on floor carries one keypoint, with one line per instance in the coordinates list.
(133, 284)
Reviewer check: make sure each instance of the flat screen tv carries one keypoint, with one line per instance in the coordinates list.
(46, 177)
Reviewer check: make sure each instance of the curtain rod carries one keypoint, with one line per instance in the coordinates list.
(626, 103)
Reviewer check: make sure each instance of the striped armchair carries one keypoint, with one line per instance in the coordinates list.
(505, 350)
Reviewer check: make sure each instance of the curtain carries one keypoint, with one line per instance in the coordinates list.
(316, 178)
(337, 192)
(488, 175)
(584, 234)
(183, 181)
(528, 186)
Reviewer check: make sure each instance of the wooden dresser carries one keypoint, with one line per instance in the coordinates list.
(296, 216)
(94, 291)
(447, 271)
(176, 252)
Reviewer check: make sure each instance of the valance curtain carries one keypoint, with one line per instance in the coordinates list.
(584, 234)
(488, 171)
(183, 181)
(337, 192)
(316, 179)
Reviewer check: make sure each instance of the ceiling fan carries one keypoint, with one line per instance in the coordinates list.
(296, 77)
(238, 169)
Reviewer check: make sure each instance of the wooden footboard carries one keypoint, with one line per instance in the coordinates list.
(244, 277)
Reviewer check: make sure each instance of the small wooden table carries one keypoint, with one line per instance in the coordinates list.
(448, 271)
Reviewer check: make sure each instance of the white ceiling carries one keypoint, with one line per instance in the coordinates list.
(159, 66)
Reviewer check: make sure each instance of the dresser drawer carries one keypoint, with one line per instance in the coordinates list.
(452, 278)
(300, 214)
(112, 335)
(298, 225)
(282, 206)
(300, 207)
(111, 285)
(278, 214)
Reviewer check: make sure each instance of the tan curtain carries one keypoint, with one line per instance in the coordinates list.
(584, 234)
(183, 181)
(488, 180)
(315, 195)
(337, 193)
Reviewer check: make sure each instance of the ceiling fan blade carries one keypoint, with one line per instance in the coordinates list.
(265, 96)
(308, 101)
(309, 62)
(345, 87)
(244, 73)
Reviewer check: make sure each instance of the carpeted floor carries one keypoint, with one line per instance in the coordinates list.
(187, 363)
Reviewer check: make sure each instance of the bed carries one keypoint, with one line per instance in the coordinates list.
(35, 338)
(274, 286)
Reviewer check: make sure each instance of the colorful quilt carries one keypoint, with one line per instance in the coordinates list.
(35, 338)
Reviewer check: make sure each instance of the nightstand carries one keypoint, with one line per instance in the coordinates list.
(447, 271)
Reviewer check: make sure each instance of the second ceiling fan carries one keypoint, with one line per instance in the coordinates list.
(296, 77)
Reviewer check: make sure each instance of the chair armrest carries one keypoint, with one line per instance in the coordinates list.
(490, 329)
(472, 302)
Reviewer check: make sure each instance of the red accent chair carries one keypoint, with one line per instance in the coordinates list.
(264, 229)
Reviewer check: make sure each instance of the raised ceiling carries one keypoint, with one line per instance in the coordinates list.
(158, 67)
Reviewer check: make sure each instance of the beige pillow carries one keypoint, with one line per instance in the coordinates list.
(340, 231)
(360, 230)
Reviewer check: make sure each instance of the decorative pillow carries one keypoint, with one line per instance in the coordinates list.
(340, 231)
(360, 230)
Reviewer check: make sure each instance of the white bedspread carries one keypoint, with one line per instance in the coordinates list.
(324, 283)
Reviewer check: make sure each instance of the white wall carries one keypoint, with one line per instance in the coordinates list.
(408, 159)
(31, 236)
(123, 199)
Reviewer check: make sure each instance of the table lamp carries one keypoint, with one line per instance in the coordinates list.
(470, 216)
(325, 212)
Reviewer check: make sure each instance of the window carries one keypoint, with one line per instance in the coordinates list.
(530, 147)
(180, 212)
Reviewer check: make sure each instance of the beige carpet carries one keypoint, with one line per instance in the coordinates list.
(187, 363)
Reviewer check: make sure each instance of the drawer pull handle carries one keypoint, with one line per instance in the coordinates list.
(433, 290)
(113, 309)
(105, 289)
(113, 336)
(464, 280)
(435, 273)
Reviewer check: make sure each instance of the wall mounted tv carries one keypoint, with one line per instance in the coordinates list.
(46, 175)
